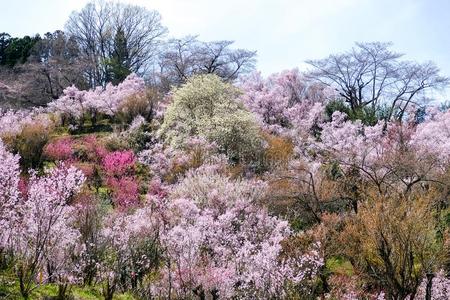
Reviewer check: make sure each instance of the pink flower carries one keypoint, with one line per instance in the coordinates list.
(119, 163)
(125, 191)
(60, 149)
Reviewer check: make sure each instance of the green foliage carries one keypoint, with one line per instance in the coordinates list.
(115, 142)
(89, 124)
(367, 115)
(339, 265)
(139, 138)
(119, 61)
(206, 106)
(10, 290)
(16, 50)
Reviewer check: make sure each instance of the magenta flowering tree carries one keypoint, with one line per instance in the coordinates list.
(93, 150)
(119, 167)
(125, 191)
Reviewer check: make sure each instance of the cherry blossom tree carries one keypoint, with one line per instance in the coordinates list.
(9, 195)
(432, 137)
(285, 100)
(44, 232)
(131, 249)
(75, 103)
(220, 243)
(13, 121)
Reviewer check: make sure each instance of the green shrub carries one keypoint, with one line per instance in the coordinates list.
(367, 115)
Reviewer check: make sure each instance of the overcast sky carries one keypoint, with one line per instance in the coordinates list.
(284, 32)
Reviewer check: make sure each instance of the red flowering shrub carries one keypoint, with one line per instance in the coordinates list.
(125, 191)
(90, 149)
(60, 149)
(119, 163)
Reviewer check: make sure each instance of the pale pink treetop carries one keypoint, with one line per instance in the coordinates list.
(284, 100)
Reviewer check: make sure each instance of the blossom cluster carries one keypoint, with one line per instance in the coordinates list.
(75, 103)
(285, 100)
(13, 121)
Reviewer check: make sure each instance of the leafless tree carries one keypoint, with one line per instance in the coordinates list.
(58, 63)
(188, 56)
(373, 75)
(95, 27)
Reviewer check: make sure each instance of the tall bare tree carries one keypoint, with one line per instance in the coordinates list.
(371, 75)
(188, 56)
(96, 26)
(57, 61)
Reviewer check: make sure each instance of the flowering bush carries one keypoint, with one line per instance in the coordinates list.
(119, 163)
(61, 149)
(125, 191)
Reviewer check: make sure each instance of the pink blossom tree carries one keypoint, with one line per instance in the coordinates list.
(284, 100)
(9, 195)
(44, 234)
(119, 163)
(130, 244)
(75, 103)
(219, 242)
(432, 137)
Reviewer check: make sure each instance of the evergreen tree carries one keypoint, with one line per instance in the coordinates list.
(119, 63)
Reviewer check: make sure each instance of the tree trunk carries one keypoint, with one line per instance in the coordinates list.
(429, 287)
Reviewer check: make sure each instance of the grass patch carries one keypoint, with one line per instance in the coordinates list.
(339, 265)
(9, 290)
